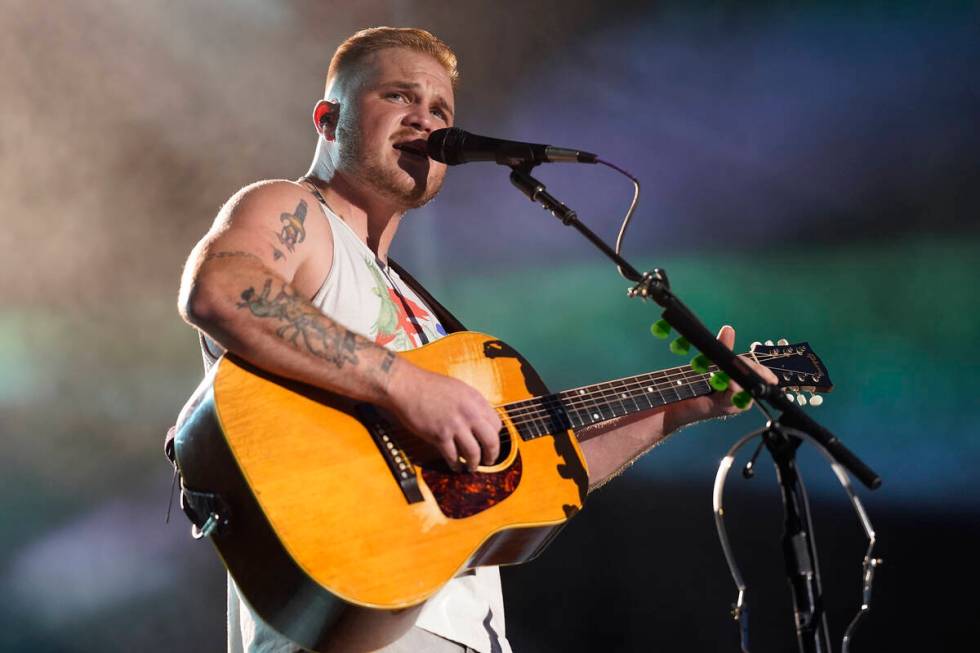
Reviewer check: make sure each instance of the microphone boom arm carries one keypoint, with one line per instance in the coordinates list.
(654, 285)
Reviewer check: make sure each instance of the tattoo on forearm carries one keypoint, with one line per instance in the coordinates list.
(388, 360)
(304, 327)
(293, 231)
(276, 254)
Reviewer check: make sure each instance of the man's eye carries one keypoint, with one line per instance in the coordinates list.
(440, 113)
(397, 96)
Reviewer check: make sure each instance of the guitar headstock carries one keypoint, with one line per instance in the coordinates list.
(796, 366)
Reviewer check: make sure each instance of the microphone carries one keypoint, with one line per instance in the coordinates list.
(454, 146)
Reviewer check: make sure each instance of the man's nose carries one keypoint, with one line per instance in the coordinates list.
(419, 118)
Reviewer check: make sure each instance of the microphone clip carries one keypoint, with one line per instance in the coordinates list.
(520, 176)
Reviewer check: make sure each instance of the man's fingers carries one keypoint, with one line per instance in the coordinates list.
(489, 438)
(450, 454)
(469, 450)
(726, 336)
(764, 372)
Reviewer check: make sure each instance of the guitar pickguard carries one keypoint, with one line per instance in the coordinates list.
(460, 495)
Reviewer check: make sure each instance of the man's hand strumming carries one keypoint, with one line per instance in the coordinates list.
(449, 414)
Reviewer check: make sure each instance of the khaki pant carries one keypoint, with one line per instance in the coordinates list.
(422, 641)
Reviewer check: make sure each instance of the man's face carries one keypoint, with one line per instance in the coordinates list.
(384, 124)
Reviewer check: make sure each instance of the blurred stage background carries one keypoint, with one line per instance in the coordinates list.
(809, 172)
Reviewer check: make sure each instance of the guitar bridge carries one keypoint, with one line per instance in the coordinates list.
(399, 465)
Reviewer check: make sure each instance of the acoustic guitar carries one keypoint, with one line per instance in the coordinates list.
(337, 524)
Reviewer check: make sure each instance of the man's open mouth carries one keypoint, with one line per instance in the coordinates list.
(415, 148)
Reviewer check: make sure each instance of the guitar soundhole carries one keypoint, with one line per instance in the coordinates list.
(504, 447)
(464, 494)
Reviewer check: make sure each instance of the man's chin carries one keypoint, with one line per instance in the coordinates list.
(417, 194)
(407, 190)
(418, 200)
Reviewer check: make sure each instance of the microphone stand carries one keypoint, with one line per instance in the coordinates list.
(799, 546)
(799, 549)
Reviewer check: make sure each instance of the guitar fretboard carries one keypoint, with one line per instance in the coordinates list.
(592, 404)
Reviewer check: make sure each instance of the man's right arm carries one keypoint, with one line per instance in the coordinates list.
(246, 285)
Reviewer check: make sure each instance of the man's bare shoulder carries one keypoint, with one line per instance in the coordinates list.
(279, 222)
(265, 195)
(286, 209)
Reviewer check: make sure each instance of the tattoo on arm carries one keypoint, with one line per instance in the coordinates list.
(276, 254)
(293, 232)
(214, 255)
(305, 327)
(386, 363)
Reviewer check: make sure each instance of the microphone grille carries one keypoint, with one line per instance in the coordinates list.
(444, 145)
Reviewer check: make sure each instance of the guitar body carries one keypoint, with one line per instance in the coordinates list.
(328, 538)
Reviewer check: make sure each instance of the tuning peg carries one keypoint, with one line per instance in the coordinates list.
(801, 399)
(680, 346)
(789, 396)
(754, 345)
(768, 343)
(815, 400)
(782, 342)
(660, 329)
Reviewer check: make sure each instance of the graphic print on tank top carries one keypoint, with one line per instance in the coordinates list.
(394, 325)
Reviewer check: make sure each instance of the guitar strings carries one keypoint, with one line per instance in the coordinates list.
(533, 412)
(541, 411)
(628, 390)
(608, 390)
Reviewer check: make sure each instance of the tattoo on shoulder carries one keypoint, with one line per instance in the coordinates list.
(304, 326)
(214, 255)
(293, 232)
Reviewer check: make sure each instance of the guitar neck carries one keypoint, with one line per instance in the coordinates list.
(594, 404)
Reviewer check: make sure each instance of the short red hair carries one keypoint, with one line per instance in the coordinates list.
(352, 52)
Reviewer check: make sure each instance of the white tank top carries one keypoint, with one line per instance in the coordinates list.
(370, 298)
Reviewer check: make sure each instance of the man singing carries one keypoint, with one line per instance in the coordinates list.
(312, 256)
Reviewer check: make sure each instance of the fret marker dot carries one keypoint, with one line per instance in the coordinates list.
(595, 416)
(679, 383)
(581, 392)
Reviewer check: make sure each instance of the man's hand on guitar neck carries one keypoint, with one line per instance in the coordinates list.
(717, 404)
(623, 441)
(449, 414)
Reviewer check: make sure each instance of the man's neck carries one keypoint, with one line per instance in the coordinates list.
(372, 219)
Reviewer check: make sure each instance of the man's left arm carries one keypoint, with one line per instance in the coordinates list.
(611, 447)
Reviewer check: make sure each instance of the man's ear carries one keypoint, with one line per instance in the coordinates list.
(325, 118)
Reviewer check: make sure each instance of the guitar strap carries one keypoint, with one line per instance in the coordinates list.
(447, 319)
